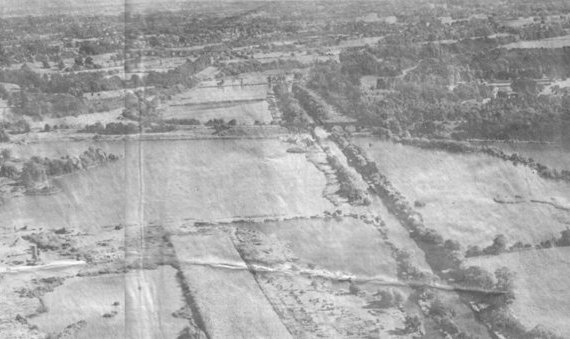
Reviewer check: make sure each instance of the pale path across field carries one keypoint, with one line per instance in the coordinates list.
(229, 301)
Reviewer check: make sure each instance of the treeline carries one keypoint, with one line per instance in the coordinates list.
(72, 83)
(293, 113)
(37, 170)
(248, 66)
(454, 146)
(316, 107)
(348, 187)
(444, 256)
(181, 75)
(112, 128)
(499, 245)
(63, 95)
(187, 121)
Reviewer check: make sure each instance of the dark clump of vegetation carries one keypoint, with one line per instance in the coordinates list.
(188, 121)
(112, 128)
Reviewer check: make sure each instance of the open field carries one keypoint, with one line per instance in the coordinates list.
(242, 100)
(556, 42)
(177, 180)
(304, 266)
(209, 92)
(459, 193)
(346, 246)
(226, 293)
(244, 113)
(140, 304)
(541, 285)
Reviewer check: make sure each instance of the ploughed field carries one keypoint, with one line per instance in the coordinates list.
(473, 197)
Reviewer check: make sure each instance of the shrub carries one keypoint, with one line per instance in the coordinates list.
(499, 245)
(387, 299)
(452, 245)
(412, 324)
(353, 288)
(473, 251)
(430, 236)
(4, 137)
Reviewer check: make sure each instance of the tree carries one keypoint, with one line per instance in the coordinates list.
(60, 64)
(79, 60)
(505, 279)
(32, 173)
(476, 277)
(525, 86)
(564, 238)
(412, 324)
(499, 245)
(353, 288)
(4, 137)
(89, 61)
(452, 245)
(6, 154)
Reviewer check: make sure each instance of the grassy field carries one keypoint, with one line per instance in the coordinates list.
(243, 113)
(228, 298)
(146, 301)
(205, 180)
(541, 284)
(556, 42)
(209, 92)
(459, 191)
(346, 245)
(246, 104)
(305, 265)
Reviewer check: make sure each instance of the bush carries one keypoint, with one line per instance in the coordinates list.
(430, 236)
(412, 324)
(4, 137)
(499, 245)
(473, 251)
(452, 245)
(190, 121)
(387, 299)
(353, 288)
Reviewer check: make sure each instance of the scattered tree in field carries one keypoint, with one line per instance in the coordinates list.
(412, 324)
(4, 137)
(353, 288)
(6, 154)
(79, 61)
(499, 245)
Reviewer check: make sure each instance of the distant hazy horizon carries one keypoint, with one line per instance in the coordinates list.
(11, 8)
